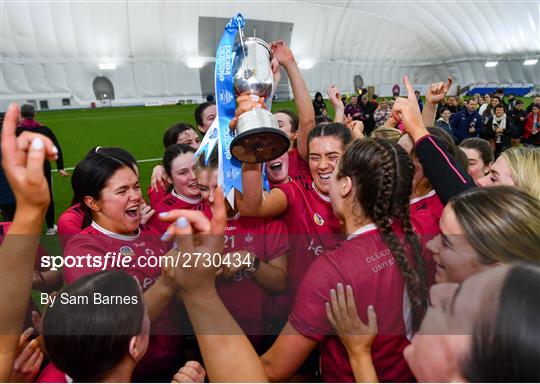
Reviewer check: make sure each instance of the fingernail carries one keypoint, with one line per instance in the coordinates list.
(182, 222)
(370, 307)
(340, 285)
(332, 291)
(163, 214)
(54, 149)
(37, 143)
(349, 287)
(165, 236)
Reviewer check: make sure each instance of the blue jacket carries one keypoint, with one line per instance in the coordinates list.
(6, 195)
(463, 120)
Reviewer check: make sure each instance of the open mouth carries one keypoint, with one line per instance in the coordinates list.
(133, 212)
(194, 185)
(276, 166)
(325, 176)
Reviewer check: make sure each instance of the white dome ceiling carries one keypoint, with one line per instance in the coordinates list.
(55, 46)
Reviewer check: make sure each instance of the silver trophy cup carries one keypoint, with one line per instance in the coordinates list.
(258, 137)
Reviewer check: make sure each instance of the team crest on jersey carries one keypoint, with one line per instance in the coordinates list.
(318, 219)
(126, 251)
(249, 237)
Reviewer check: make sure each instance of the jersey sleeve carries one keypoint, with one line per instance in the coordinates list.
(445, 174)
(276, 239)
(309, 312)
(156, 196)
(290, 193)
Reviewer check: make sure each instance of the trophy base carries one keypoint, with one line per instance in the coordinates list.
(259, 145)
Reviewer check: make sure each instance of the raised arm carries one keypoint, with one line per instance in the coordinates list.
(306, 113)
(227, 353)
(22, 160)
(447, 177)
(434, 95)
(253, 201)
(335, 98)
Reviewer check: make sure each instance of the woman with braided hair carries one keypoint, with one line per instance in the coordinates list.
(380, 260)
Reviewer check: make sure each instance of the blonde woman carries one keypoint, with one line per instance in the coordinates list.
(518, 166)
(486, 227)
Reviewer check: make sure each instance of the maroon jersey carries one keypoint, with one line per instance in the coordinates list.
(426, 212)
(172, 201)
(165, 348)
(51, 374)
(156, 196)
(312, 227)
(243, 296)
(364, 262)
(70, 221)
(298, 167)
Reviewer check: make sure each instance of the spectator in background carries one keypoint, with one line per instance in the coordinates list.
(353, 109)
(500, 94)
(374, 100)
(461, 103)
(205, 114)
(511, 102)
(344, 99)
(490, 109)
(477, 97)
(450, 104)
(443, 122)
(210, 98)
(500, 130)
(519, 116)
(531, 131)
(487, 101)
(28, 123)
(318, 104)
(466, 123)
(481, 101)
(368, 110)
(536, 101)
(420, 102)
(382, 113)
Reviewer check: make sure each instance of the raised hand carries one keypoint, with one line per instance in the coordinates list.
(437, 91)
(191, 372)
(408, 112)
(146, 213)
(356, 336)
(245, 103)
(282, 53)
(335, 97)
(195, 234)
(27, 364)
(158, 177)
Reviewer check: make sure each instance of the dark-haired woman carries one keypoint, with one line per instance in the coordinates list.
(181, 169)
(70, 221)
(480, 156)
(373, 206)
(107, 189)
(114, 338)
(205, 114)
(305, 207)
(500, 129)
(318, 104)
(180, 133)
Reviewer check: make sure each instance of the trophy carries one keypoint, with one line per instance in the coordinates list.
(258, 137)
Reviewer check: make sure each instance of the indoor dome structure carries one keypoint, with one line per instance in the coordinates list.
(166, 49)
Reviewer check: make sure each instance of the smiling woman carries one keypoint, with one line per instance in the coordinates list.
(483, 228)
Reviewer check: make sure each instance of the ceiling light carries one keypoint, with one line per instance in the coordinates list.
(530, 62)
(491, 64)
(195, 62)
(107, 66)
(306, 64)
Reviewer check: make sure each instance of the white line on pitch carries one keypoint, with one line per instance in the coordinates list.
(138, 161)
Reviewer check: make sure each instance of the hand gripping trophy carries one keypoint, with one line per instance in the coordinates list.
(258, 137)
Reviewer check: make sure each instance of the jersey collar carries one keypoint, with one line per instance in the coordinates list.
(361, 230)
(114, 235)
(185, 198)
